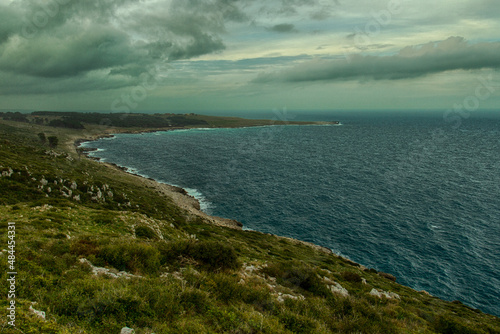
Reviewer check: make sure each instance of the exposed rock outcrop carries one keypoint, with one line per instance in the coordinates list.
(386, 294)
(108, 272)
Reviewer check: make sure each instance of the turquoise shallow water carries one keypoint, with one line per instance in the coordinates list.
(409, 195)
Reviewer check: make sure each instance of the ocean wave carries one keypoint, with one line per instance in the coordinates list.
(205, 205)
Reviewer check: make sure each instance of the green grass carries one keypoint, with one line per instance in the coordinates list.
(190, 276)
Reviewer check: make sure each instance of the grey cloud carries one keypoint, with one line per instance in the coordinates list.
(453, 53)
(284, 28)
(9, 22)
(200, 45)
(181, 32)
(316, 9)
(69, 55)
(373, 46)
(109, 41)
(13, 83)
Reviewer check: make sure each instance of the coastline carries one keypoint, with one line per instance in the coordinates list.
(178, 229)
(180, 196)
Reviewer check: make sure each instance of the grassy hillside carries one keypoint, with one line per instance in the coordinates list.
(97, 251)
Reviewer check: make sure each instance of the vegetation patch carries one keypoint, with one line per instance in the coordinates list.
(145, 232)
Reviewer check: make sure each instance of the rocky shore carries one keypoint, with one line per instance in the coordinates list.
(179, 195)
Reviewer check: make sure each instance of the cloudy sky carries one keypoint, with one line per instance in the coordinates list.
(196, 55)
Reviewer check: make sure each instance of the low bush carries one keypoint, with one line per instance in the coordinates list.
(209, 255)
(226, 288)
(132, 257)
(104, 218)
(145, 232)
(388, 276)
(351, 277)
(297, 323)
(84, 247)
(193, 300)
(214, 256)
(296, 274)
(445, 324)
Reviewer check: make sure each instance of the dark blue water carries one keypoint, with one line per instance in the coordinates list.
(412, 196)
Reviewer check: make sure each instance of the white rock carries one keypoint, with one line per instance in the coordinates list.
(282, 296)
(126, 330)
(337, 288)
(8, 173)
(108, 272)
(40, 314)
(386, 294)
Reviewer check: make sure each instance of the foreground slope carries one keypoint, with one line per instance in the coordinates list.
(98, 249)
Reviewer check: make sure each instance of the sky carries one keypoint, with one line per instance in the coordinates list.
(241, 55)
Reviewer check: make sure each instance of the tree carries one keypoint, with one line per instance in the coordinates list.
(53, 141)
(42, 137)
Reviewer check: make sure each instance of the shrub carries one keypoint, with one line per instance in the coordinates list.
(84, 247)
(296, 274)
(104, 219)
(447, 325)
(145, 232)
(350, 276)
(194, 301)
(42, 137)
(59, 247)
(210, 255)
(132, 257)
(260, 298)
(53, 141)
(224, 320)
(214, 256)
(227, 288)
(388, 276)
(297, 323)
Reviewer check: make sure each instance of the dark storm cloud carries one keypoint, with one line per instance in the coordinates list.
(16, 84)
(186, 29)
(411, 62)
(110, 41)
(71, 38)
(69, 55)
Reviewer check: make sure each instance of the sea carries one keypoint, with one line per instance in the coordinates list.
(414, 194)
